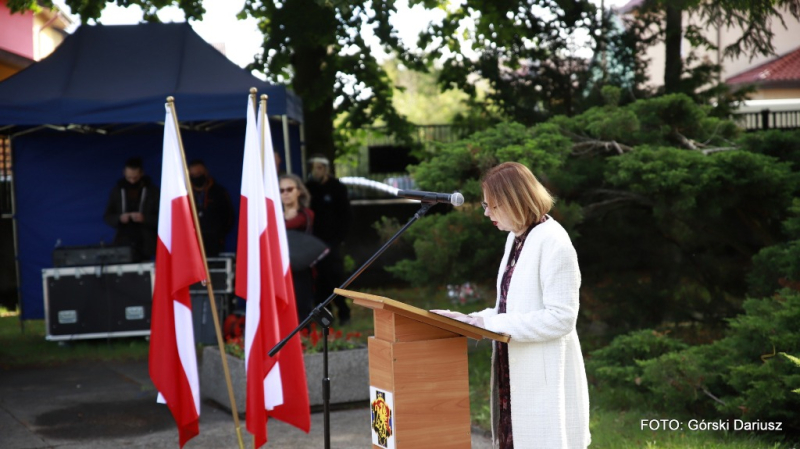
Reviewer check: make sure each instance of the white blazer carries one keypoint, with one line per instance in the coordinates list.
(549, 393)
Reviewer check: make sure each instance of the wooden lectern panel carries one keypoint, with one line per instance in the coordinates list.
(432, 394)
(390, 326)
(430, 383)
(381, 364)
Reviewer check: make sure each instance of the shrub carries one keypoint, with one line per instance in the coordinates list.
(452, 249)
(738, 376)
(778, 265)
(617, 368)
(781, 144)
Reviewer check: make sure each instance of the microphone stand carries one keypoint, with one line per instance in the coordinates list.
(324, 318)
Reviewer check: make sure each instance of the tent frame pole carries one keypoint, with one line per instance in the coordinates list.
(303, 165)
(15, 231)
(287, 149)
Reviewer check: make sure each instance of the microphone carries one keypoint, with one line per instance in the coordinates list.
(455, 198)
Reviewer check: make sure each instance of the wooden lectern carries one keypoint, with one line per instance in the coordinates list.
(418, 373)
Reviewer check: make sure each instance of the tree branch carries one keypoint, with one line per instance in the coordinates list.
(687, 143)
(708, 393)
(708, 151)
(619, 199)
(590, 146)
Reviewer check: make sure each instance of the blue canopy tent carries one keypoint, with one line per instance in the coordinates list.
(75, 117)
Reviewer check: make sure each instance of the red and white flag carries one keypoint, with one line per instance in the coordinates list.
(288, 385)
(254, 281)
(179, 264)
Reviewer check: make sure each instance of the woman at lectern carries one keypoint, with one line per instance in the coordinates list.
(540, 398)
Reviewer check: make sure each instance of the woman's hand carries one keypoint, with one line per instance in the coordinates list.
(471, 320)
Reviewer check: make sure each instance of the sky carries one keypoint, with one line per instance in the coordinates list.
(241, 38)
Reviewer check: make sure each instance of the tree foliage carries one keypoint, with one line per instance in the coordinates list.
(319, 46)
(461, 245)
(778, 265)
(524, 49)
(666, 206)
(738, 376)
(417, 96)
(662, 21)
(92, 9)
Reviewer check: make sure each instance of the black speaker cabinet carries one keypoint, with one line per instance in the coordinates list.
(222, 270)
(78, 256)
(203, 319)
(98, 301)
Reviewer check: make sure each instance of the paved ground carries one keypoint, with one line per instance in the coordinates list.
(112, 405)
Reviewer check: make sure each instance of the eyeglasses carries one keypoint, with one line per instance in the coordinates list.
(287, 190)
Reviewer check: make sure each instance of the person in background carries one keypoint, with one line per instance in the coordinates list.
(540, 397)
(299, 218)
(296, 201)
(132, 210)
(332, 223)
(214, 208)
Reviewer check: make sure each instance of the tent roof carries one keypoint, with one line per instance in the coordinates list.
(123, 74)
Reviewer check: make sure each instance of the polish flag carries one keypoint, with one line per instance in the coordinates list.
(287, 381)
(179, 264)
(255, 283)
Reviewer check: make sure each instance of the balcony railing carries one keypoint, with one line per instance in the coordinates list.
(767, 119)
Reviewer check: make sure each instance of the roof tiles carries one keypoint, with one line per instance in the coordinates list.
(781, 70)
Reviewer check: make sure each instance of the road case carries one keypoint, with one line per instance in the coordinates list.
(222, 273)
(98, 301)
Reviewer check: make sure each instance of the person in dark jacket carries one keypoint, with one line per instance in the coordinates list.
(331, 224)
(214, 208)
(132, 210)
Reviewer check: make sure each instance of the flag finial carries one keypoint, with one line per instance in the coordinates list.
(170, 99)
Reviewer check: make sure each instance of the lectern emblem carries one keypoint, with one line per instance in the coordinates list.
(382, 421)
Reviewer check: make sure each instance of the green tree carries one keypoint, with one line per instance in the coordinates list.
(91, 9)
(318, 45)
(737, 376)
(666, 208)
(418, 98)
(662, 21)
(458, 246)
(525, 51)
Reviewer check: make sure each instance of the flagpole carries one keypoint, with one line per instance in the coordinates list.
(261, 140)
(234, 410)
(264, 124)
(253, 96)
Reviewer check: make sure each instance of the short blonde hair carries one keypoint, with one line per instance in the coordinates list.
(515, 191)
(305, 198)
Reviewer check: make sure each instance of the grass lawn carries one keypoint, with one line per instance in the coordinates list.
(29, 347)
(613, 429)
